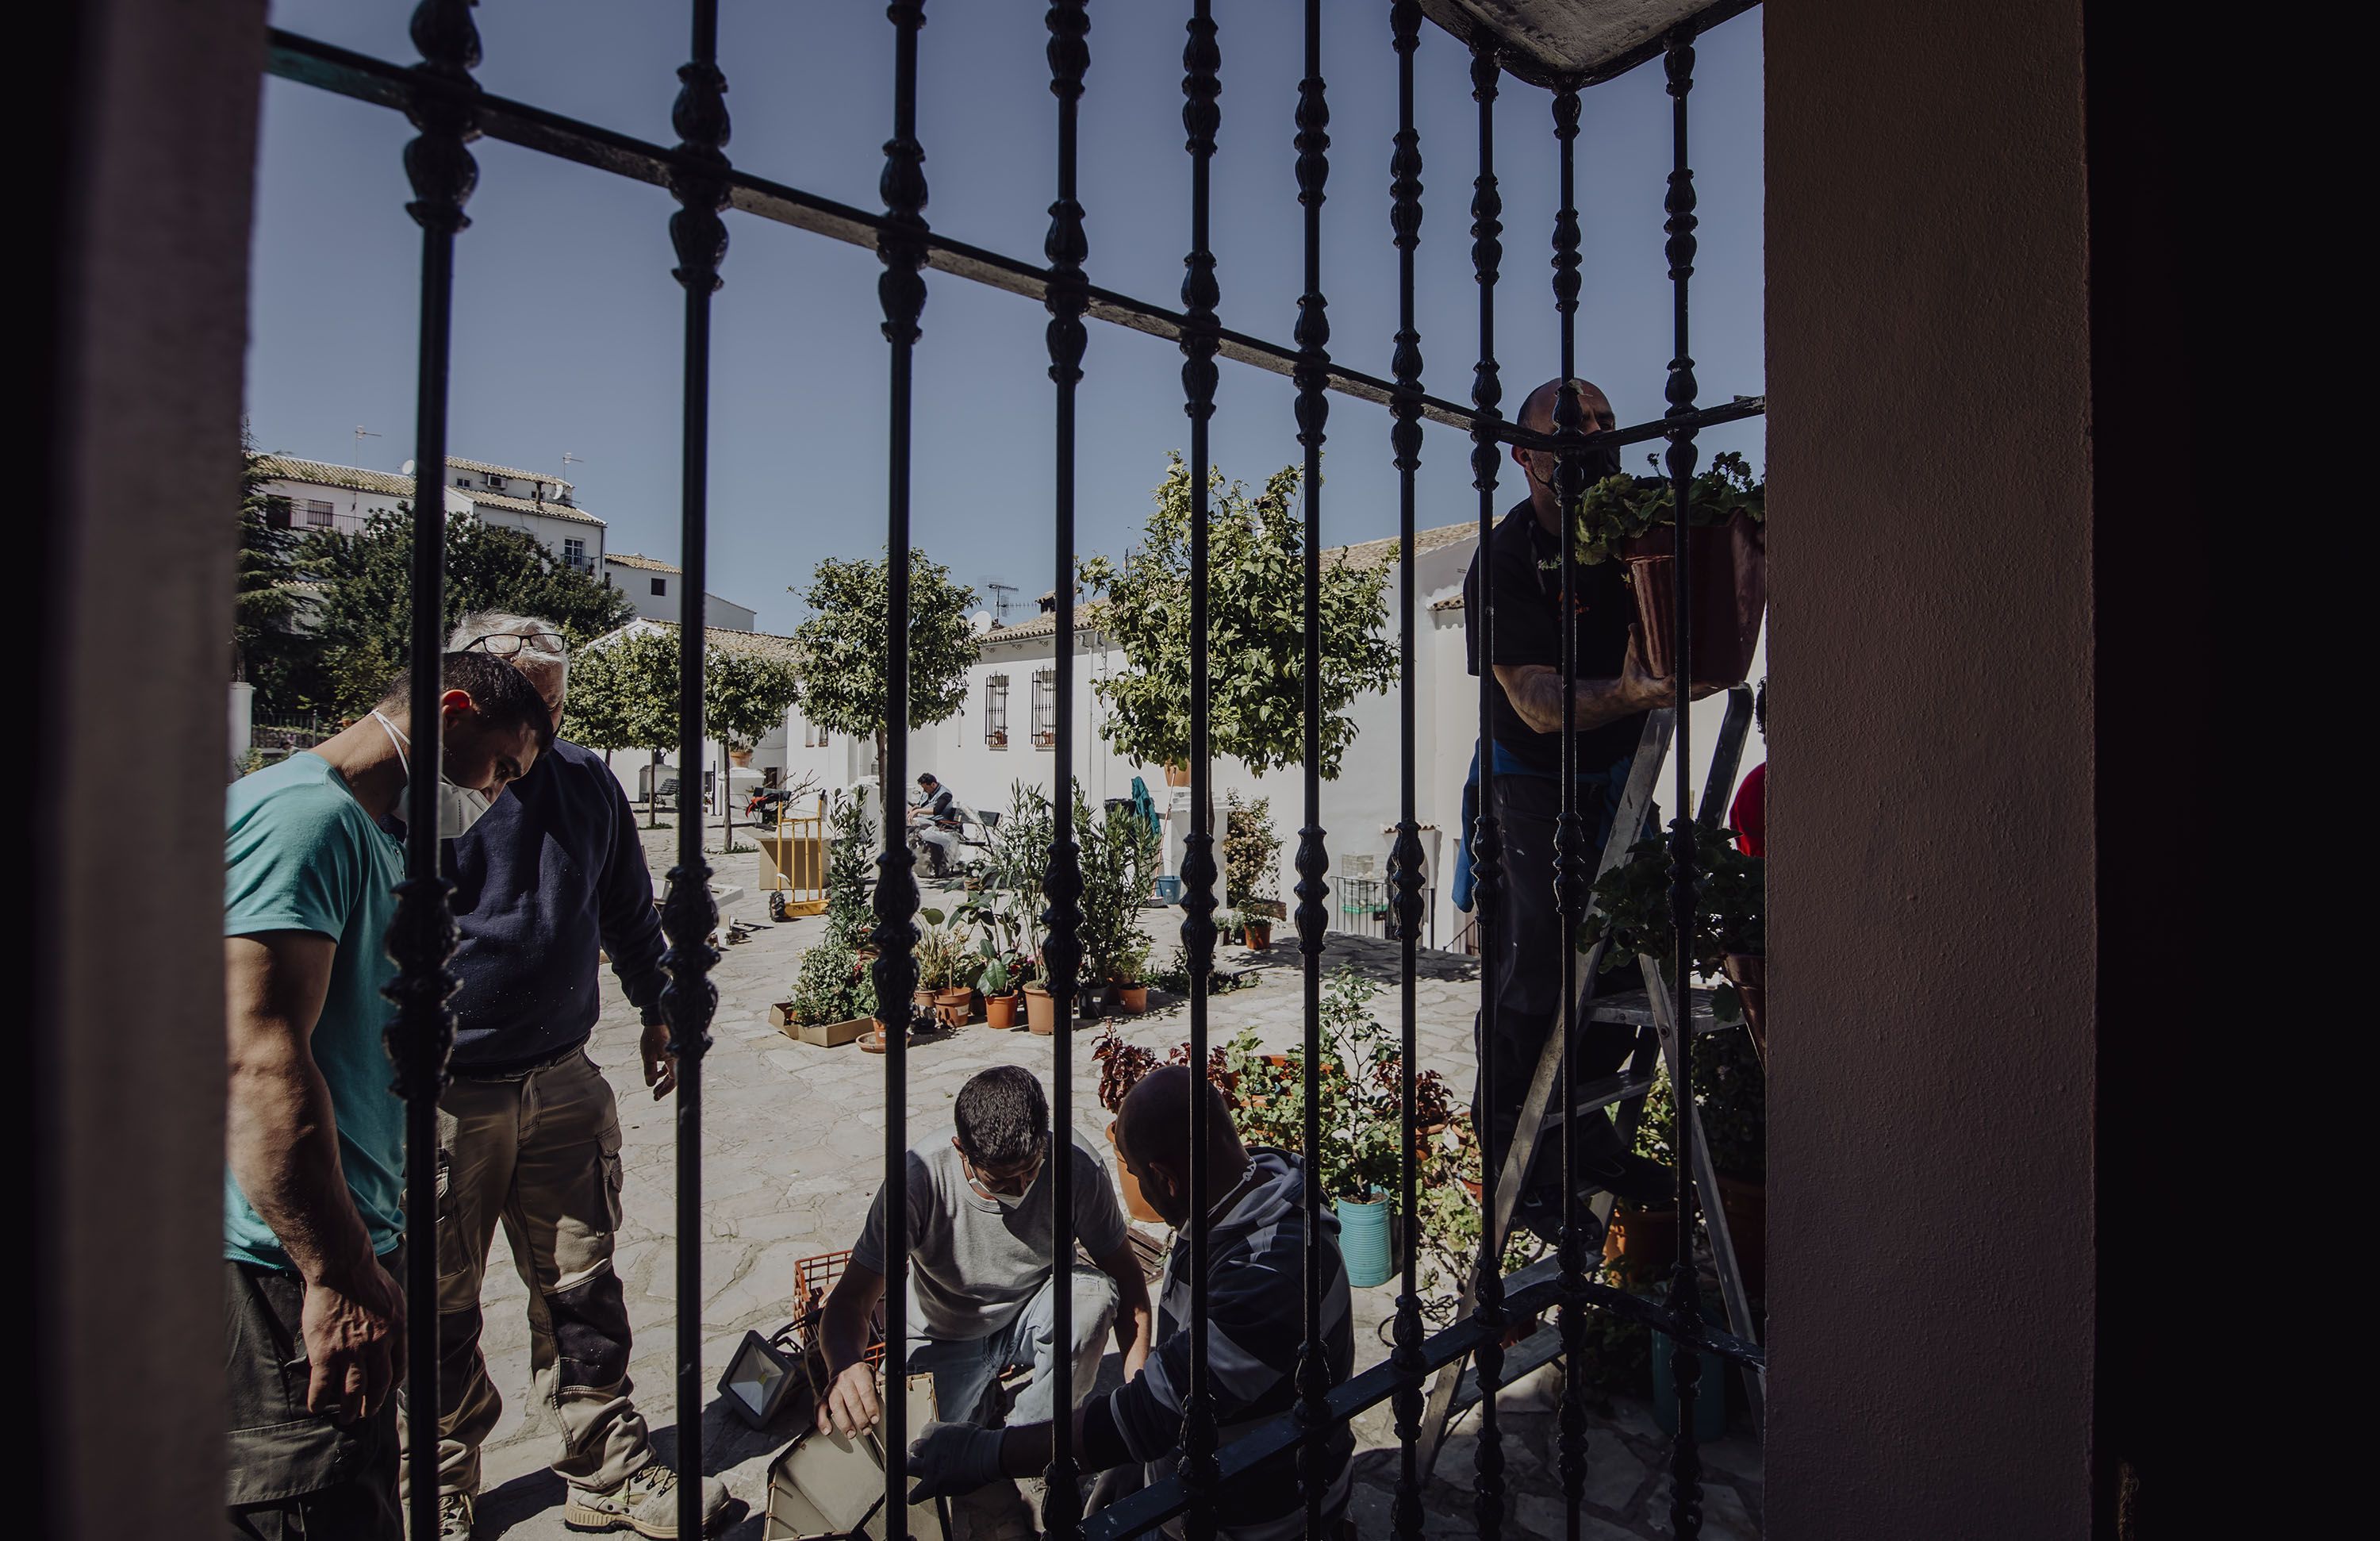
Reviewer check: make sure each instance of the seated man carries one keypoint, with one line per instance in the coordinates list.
(981, 1229)
(935, 821)
(1254, 1306)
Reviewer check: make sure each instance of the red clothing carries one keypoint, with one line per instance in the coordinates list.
(1749, 818)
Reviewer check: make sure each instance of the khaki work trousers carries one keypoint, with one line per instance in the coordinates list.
(539, 1152)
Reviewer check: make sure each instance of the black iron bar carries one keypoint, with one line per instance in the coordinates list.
(1405, 863)
(421, 936)
(1530, 1290)
(1313, 335)
(1486, 855)
(1685, 1293)
(902, 290)
(689, 914)
(1570, 841)
(364, 78)
(1202, 64)
(1066, 245)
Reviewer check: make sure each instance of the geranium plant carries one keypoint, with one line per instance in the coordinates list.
(1631, 909)
(1619, 508)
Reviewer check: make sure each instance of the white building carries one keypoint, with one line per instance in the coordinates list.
(312, 494)
(1005, 733)
(658, 590)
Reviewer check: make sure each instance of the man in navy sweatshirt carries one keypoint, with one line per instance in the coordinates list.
(529, 1131)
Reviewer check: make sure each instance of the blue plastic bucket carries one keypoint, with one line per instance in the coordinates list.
(1710, 1392)
(1364, 1242)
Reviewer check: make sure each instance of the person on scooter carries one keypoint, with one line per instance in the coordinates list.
(935, 820)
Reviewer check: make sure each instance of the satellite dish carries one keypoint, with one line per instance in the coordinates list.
(980, 621)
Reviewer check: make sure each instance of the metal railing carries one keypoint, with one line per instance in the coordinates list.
(450, 109)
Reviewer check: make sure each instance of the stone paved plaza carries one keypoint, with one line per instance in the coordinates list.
(792, 1147)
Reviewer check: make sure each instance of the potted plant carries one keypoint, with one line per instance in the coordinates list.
(999, 993)
(1122, 1065)
(1041, 1006)
(1127, 975)
(1632, 519)
(1119, 858)
(943, 955)
(1631, 914)
(1252, 868)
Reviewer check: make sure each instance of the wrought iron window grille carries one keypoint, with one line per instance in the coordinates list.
(449, 111)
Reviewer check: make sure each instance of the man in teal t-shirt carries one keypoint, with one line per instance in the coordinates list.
(313, 1315)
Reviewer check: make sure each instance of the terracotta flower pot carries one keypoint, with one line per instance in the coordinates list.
(1647, 1238)
(1749, 973)
(1127, 1000)
(1134, 1204)
(1729, 581)
(1040, 1009)
(1257, 935)
(1177, 775)
(923, 999)
(999, 1011)
(954, 1008)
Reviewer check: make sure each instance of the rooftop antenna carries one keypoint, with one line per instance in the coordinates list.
(561, 495)
(363, 434)
(1001, 600)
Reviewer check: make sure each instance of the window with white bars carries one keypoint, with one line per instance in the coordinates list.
(318, 514)
(995, 712)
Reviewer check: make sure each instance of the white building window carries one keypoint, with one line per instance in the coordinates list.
(318, 514)
(573, 554)
(491, 481)
(995, 712)
(1045, 708)
(661, 588)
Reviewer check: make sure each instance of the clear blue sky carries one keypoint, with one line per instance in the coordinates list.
(567, 323)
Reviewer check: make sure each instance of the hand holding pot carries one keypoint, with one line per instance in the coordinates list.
(1652, 691)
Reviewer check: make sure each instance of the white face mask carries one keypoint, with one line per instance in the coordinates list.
(459, 807)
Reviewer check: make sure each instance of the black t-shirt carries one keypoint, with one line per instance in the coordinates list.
(1524, 565)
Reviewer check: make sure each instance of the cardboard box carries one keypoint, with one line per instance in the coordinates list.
(817, 1035)
(826, 1485)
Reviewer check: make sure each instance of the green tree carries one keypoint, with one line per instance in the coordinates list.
(1255, 556)
(266, 651)
(624, 695)
(366, 612)
(743, 696)
(840, 660)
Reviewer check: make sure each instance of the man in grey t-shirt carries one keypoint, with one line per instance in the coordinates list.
(980, 1239)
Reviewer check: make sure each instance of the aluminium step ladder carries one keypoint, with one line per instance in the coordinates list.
(1653, 1012)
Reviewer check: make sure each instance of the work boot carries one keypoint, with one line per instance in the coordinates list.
(455, 1517)
(644, 1503)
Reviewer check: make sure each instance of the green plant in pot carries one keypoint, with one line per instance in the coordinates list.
(832, 985)
(1251, 870)
(1360, 1149)
(1119, 853)
(1632, 519)
(1631, 914)
(849, 873)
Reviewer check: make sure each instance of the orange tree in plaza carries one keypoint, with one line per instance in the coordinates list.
(1255, 564)
(841, 649)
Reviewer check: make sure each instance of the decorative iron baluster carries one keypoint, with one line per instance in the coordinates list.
(698, 181)
(1487, 853)
(1069, 292)
(1202, 63)
(1405, 876)
(1685, 1291)
(441, 101)
(1312, 376)
(1569, 837)
(902, 290)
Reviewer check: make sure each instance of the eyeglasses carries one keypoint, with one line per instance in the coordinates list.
(508, 644)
